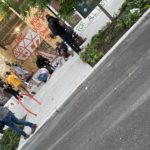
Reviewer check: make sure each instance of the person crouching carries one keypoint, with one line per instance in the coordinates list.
(43, 74)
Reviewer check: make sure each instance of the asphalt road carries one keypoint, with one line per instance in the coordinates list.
(110, 110)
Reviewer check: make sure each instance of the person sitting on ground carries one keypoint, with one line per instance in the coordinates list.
(62, 50)
(25, 75)
(41, 62)
(19, 71)
(43, 74)
(8, 118)
(8, 89)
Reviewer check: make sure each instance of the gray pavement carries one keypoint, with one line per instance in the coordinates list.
(110, 110)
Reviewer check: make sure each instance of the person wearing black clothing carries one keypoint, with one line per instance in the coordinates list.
(8, 89)
(43, 62)
(59, 30)
(62, 50)
(8, 118)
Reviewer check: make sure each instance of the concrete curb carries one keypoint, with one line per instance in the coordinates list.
(95, 67)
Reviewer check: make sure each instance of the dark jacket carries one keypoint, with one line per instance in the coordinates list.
(55, 27)
(62, 47)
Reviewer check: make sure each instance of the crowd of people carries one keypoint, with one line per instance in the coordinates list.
(16, 78)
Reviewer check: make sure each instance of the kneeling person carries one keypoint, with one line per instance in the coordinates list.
(43, 74)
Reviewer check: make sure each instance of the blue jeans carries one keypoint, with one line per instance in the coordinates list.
(43, 77)
(11, 121)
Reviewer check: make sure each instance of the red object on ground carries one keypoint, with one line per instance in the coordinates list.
(26, 108)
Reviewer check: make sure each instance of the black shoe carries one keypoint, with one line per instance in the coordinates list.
(26, 137)
(33, 128)
(33, 93)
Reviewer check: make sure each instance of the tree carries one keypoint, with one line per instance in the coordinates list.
(65, 10)
(4, 9)
(26, 6)
(66, 7)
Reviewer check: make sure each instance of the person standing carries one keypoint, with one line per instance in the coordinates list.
(9, 119)
(58, 30)
(16, 83)
(8, 89)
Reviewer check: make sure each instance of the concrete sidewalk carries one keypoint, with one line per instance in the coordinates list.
(55, 92)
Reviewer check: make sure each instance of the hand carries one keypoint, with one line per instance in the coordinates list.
(52, 36)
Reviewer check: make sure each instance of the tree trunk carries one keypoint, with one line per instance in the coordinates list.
(105, 12)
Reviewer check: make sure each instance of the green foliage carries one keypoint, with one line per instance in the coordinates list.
(120, 24)
(9, 140)
(131, 19)
(95, 42)
(5, 11)
(102, 41)
(67, 7)
(91, 56)
(26, 6)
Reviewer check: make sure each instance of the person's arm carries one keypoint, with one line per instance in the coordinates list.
(49, 75)
(52, 36)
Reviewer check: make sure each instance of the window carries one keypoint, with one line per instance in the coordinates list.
(86, 7)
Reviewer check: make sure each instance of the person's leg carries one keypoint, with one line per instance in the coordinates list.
(10, 91)
(22, 86)
(13, 92)
(17, 129)
(23, 122)
(8, 121)
(20, 121)
(71, 42)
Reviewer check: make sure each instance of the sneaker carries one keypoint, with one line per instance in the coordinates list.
(26, 137)
(33, 128)
(33, 93)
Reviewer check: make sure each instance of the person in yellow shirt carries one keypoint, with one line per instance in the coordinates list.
(15, 82)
